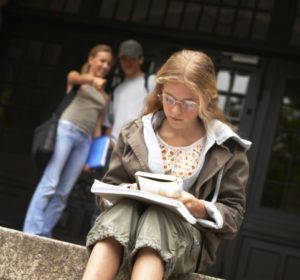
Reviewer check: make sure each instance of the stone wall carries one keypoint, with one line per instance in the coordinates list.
(29, 257)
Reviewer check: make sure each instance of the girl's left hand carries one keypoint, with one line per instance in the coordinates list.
(194, 205)
(134, 186)
(188, 200)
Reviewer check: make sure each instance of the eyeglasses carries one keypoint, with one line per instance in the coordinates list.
(186, 105)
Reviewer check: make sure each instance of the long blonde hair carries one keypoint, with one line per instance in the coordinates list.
(92, 53)
(196, 70)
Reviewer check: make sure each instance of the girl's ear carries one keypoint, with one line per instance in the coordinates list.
(90, 60)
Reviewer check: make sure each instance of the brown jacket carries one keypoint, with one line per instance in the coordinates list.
(131, 155)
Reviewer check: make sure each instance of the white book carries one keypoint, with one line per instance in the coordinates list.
(114, 193)
(162, 184)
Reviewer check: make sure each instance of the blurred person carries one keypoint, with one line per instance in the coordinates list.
(128, 97)
(80, 121)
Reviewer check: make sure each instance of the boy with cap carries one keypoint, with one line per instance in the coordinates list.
(127, 100)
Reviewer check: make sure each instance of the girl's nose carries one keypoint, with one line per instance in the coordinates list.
(107, 65)
(176, 108)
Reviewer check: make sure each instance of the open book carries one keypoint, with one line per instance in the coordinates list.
(162, 184)
(115, 193)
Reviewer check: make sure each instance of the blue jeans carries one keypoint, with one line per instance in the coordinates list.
(50, 197)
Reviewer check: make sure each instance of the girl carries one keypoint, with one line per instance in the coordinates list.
(182, 132)
(79, 122)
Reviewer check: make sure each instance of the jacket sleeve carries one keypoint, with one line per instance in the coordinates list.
(117, 173)
(109, 115)
(231, 202)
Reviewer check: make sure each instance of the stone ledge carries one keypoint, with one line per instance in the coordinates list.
(25, 256)
(29, 257)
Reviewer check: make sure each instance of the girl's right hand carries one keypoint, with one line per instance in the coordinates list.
(87, 169)
(134, 186)
(99, 83)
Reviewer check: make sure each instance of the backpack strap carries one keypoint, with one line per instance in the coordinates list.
(146, 77)
(218, 185)
(112, 89)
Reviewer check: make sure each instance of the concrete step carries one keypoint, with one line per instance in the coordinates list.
(29, 257)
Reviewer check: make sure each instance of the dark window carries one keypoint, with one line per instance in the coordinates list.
(191, 16)
(140, 11)
(123, 10)
(66, 6)
(157, 11)
(174, 14)
(243, 19)
(107, 8)
(56, 5)
(248, 3)
(295, 38)
(243, 24)
(261, 26)
(282, 187)
(72, 6)
(208, 19)
(265, 4)
(225, 21)
(233, 88)
(26, 76)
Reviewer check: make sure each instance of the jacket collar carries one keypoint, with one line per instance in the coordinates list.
(149, 154)
(135, 140)
(218, 132)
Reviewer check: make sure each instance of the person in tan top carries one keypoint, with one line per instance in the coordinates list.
(184, 133)
(78, 124)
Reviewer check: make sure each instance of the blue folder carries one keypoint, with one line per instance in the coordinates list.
(98, 152)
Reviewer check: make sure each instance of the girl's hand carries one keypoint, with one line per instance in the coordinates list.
(194, 205)
(99, 83)
(87, 169)
(111, 144)
(134, 186)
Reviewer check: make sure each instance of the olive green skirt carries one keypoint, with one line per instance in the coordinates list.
(136, 225)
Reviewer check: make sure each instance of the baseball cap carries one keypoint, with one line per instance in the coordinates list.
(131, 48)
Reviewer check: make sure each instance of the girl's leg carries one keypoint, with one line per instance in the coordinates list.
(120, 223)
(104, 260)
(35, 220)
(69, 175)
(176, 242)
(147, 265)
